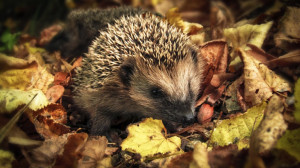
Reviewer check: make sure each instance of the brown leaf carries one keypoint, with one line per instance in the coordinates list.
(49, 121)
(95, 150)
(70, 154)
(202, 129)
(220, 17)
(211, 94)
(215, 53)
(179, 161)
(259, 54)
(289, 34)
(48, 33)
(290, 59)
(45, 155)
(54, 93)
(77, 63)
(225, 157)
(220, 78)
(260, 82)
(62, 78)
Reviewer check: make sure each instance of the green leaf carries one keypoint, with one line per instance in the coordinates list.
(9, 40)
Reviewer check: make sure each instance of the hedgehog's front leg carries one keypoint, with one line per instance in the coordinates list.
(100, 124)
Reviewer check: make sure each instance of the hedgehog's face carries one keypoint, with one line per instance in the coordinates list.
(165, 93)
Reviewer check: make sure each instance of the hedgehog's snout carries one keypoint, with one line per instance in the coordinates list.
(188, 118)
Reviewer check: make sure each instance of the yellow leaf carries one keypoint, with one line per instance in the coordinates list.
(240, 36)
(33, 50)
(25, 77)
(10, 99)
(230, 130)
(290, 143)
(17, 78)
(297, 101)
(146, 138)
(243, 143)
(155, 2)
(6, 159)
(247, 34)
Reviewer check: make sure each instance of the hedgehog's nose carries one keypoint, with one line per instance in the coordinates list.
(189, 118)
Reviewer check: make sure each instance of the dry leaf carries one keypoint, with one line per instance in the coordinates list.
(18, 78)
(271, 127)
(54, 93)
(11, 99)
(241, 36)
(30, 77)
(290, 59)
(225, 157)
(146, 138)
(70, 156)
(94, 152)
(232, 103)
(48, 33)
(50, 121)
(260, 82)
(10, 62)
(215, 53)
(62, 78)
(200, 156)
(289, 34)
(247, 34)
(45, 155)
(221, 17)
(239, 127)
(259, 54)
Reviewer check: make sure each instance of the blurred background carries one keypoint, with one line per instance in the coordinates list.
(30, 17)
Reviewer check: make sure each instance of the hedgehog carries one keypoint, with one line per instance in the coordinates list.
(138, 66)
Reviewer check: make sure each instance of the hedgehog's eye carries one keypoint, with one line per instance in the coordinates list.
(156, 92)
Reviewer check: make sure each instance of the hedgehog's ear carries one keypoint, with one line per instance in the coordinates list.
(126, 71)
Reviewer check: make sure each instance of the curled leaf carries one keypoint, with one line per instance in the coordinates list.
(260, 82)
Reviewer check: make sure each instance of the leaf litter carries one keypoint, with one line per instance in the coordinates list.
(252, 68)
